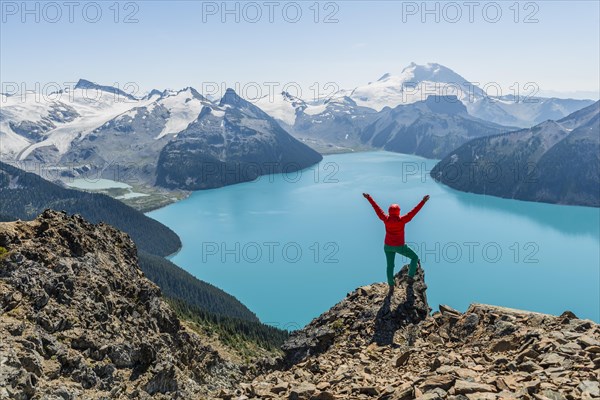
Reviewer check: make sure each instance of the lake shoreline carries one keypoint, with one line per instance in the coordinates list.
(268, 218)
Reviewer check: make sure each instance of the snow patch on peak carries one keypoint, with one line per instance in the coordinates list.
(283, 106)
(184, 107)
(214, 111)
(316, 109)
(414, 83)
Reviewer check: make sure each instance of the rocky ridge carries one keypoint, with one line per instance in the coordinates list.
(377, 344)
(79, 320)
(552, 162)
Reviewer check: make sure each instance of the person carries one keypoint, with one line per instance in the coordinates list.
(394, 236)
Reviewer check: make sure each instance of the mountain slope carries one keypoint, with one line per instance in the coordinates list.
(25, 195)
(338, 121)
(128, 146)
(417, 82)
(102, 130)
(555, 162)
(178, 284)
(79, 320)
(234, 142)
(429, 128)
(377, 344)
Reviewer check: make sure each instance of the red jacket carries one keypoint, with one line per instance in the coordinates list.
(394, 225)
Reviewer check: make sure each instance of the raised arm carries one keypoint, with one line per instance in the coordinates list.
(414, 211)
(382, 216)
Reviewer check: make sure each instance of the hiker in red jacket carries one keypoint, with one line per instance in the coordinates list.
(394, 236)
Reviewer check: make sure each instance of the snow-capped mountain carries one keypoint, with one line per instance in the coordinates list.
(32, 124)
(415, 83)
(233, 142)
(334, 123)
(430, 128)
(524, 113)
(103, 131)
(94, 88)
(46, 127)
(93, 126)
(282, 106)
(337, 121)
(129, 144)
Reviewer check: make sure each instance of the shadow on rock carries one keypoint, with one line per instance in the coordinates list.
(369, 314)
(405, 303)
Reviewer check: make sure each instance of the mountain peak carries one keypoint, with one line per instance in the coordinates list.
(343, 100)
(195, 93)
(370, 314)
(84, 84)
(231, 98)
(432, 72)
(154, 92)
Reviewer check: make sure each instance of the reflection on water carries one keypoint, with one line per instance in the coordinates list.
(574, 220)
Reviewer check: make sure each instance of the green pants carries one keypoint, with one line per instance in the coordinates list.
(390, 255)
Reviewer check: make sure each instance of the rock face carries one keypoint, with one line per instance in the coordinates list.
(370, 314)
(230, 143)
(79, 320)
(381, 345)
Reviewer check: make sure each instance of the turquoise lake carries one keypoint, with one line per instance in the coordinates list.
(289, 246)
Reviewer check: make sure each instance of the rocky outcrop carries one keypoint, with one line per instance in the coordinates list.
(78, 320)
(370, 314)
(384, 345)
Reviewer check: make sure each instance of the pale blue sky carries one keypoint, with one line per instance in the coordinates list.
(172, 47)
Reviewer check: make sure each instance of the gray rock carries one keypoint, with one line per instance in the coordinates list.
(302, 391)
(465, 387)
(91, 320)
(590, 387)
